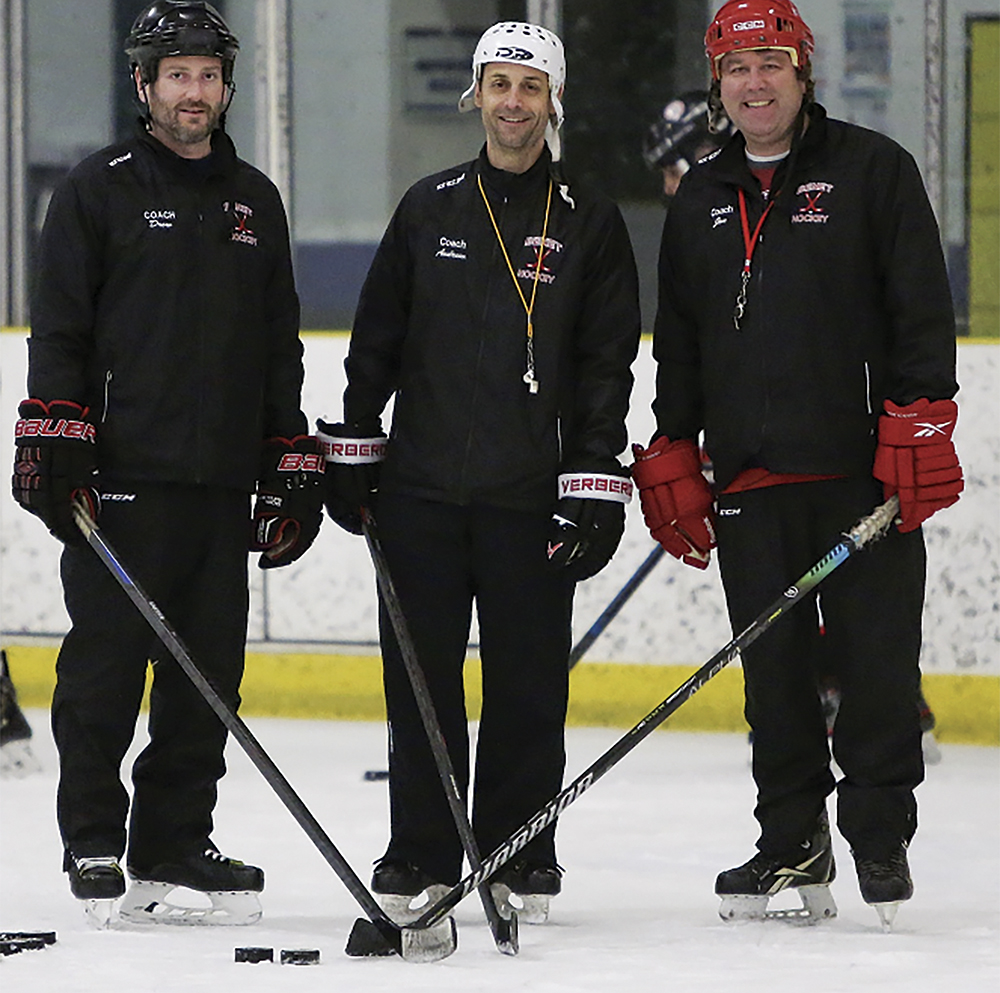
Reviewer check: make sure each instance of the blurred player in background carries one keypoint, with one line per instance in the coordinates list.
(680, 136)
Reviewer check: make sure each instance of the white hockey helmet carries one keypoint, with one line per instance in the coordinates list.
(528, 45)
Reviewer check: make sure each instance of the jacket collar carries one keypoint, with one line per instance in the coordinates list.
(513, 184)
(730, 165)
(222, 161)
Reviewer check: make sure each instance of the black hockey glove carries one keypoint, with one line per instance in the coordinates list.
(354, 454)
(289, 507)
(589, 521)
(55, 462)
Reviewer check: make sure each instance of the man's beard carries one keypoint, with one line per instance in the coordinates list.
(169, 120)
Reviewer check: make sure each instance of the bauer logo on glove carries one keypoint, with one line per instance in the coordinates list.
(288, 510)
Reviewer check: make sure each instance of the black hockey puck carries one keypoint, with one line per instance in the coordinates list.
(45, 937)
(376, 775)
(300, 956)
(254, 954)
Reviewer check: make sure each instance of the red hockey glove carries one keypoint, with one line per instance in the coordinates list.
(588, 521)
(289, 506)
(354, 454)
(55, 462)
(676, 499)
(916, 458)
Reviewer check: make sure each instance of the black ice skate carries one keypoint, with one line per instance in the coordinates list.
(98, 881)
(526, 887)
(224, 891)
(885, 884)
(746, 890)
(16, 757)
(405, 891)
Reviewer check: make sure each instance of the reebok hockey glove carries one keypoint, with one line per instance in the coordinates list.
(916, 458)
(354, 454)
(55, 461)
(288, 511)
(588, 522)
(676, 499)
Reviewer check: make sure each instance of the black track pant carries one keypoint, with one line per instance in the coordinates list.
(186, 546)
(872, 608)
(442, 558)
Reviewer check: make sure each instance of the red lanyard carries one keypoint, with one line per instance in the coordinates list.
(749, 244)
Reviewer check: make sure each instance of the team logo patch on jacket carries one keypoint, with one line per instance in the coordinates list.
(540, 254)
(812, 211)
(241, 214)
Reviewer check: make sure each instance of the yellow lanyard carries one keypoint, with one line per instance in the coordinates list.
(529, 376)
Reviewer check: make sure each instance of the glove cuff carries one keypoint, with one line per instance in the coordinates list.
(665, 461)
(595, 486)
(58, 419)
(352, 451)
(918, 423)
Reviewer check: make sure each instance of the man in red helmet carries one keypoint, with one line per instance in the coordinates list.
(805, 325)
(164, 385)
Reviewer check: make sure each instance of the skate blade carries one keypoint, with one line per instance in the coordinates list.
(99, 914)
(886, 914)
(17, 760)
(817, 905)
(529, 908)
(402, 909)
(148, 903)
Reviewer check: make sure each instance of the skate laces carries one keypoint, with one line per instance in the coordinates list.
(216, 856)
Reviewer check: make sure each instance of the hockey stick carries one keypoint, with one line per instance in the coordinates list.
(610, 612)
(863, 533)
(383, 936)
(504, 929)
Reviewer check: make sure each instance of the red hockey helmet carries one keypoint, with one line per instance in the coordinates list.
(748, 25)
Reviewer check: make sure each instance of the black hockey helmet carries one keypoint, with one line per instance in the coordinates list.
(681, 131)
(180, 27)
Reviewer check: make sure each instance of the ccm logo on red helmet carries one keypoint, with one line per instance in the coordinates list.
(298, 462)
(47, 427)
(748, 25)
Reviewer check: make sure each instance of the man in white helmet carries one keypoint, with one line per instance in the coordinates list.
(501, 312)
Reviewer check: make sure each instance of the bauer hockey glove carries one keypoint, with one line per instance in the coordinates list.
(588, 521)
(55, 462)
(676, 499)
(916, 458)
(288, 511)
(354, 454)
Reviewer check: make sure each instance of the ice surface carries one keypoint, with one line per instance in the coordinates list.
(641, 851)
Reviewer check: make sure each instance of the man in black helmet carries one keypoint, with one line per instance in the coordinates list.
(164, 386)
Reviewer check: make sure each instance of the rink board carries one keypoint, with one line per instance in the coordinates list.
(349, 687)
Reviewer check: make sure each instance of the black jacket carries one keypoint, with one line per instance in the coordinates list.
(440, 324)
(165, 301)
(848, 304)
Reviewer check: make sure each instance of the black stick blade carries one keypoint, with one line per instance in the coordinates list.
(368, 941)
